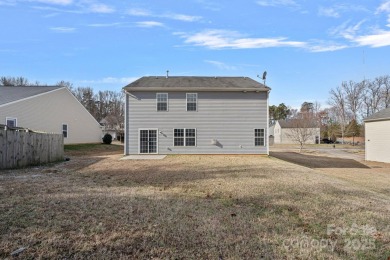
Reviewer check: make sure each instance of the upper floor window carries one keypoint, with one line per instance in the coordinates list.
(259, 137)
(65, 130)
(11, 121)
(162, 101)
(192, 100)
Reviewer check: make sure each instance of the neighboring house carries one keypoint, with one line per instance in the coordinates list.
(111, 125)
(48, 109)
(285, 130)
(377, 131)
(196, 115)
(271, 137)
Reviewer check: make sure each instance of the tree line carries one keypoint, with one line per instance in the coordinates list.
(348, 104)
(107, 104)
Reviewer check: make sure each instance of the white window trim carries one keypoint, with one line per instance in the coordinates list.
(139, 144)
(196, 137)
(12, 119)
(67, 130)
(254, 137)
(195, 103)
(157, 103)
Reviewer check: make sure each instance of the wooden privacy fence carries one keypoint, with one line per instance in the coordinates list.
(21, 148)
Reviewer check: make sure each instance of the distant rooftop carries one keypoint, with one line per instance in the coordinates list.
(294, 123)
(11, 94)
(379, 116)
(196, 83)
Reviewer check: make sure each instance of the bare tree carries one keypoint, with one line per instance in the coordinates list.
(353, 93)
(67, 84)
(14, 81)
(337, 101)
(372, 97)
(385, 89)
(302, 129)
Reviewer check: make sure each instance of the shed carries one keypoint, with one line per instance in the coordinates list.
(377, 129)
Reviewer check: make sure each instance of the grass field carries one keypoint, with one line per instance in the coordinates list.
(193, 207)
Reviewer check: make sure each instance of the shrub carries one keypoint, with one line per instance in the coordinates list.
(107, 139)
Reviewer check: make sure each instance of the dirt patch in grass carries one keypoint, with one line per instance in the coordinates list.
(196, 207)
(317, 161)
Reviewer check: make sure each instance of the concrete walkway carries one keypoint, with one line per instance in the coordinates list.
(143, 157)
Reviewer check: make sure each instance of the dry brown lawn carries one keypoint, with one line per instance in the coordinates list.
(193, 207)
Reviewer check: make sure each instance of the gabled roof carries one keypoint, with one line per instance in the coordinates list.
(11, 94)
(162, 83)
(294, 123)
(379, 116)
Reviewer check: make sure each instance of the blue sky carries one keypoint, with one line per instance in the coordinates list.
(307, 47)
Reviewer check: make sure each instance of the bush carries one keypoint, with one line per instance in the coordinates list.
(107, 139)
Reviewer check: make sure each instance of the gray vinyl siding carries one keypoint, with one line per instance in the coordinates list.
(49, 111)
(228, 117)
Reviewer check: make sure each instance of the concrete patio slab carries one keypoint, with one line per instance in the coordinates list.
(144, 157)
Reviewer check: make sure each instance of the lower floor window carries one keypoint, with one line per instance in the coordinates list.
(65, 130)
(184, 137)
(259, 137)
(11, 122)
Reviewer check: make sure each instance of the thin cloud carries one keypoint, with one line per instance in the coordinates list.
(138, 12)
(327, 47)
(337, 10)
(276, 3)
(101, 8)
(173, 16)
(183, 17)
(346, 30)
(374, 38)
(149, 24)
(63, 29)
(7, 2)
(209, 5)
(223, 39)
(81, 7)
(220, 65)
(384, 7)
(54, 2)
(379, 39)
(110, 80)
(51, 15)
(328, 12)
(105, 24)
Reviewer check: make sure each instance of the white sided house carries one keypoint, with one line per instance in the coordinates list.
(287, 131)
(377, 136)
(196, 115)
(48, 109)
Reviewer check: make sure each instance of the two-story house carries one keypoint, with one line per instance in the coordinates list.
(49, 109)
(196, 115)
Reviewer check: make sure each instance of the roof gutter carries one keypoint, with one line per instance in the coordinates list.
(152, 89)
(376, 119)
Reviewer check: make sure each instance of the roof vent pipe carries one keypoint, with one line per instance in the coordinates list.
(167, 73)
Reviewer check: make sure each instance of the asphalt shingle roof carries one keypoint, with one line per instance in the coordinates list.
(196, 83)
(378, 116)
(11, 94)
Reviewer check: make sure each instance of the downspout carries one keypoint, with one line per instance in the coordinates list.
(267, 122)
(126, 147)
